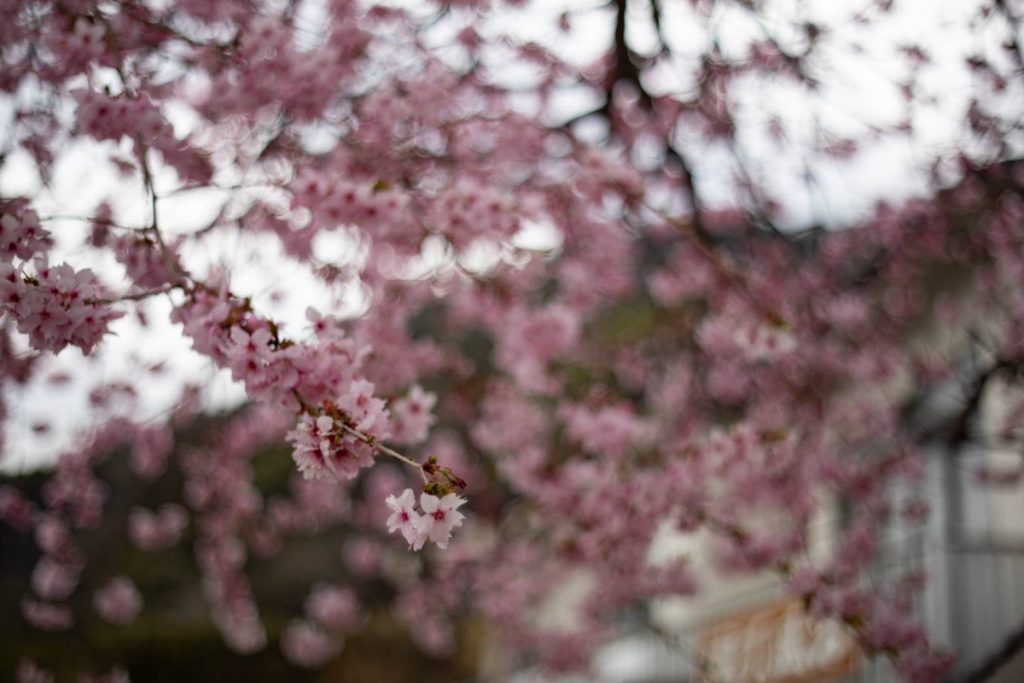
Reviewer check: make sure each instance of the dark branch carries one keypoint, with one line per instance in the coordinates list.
(984, 671)
(626, 68)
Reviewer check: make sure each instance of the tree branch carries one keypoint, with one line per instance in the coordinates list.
(1013, 645)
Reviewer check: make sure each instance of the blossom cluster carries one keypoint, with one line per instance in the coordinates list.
(55, 306)
(150, 530)
(330, 612)
(105, 117)
(436, 521)
(321, 447)
(21, 235)
(118, 601)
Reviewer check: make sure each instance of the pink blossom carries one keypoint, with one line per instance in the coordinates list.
(999, 475)
(144, 262)
(150, 451)
(53, 580)
(47, 616)
(21, 235)
(765, 342)
(56, 306)
(363, 556)
(30, 672)
(16, 509)
(52, 535)
(366, 410)
(159, 530)
(335, 608)
(118, 601)
(412, 417)
(611, 431)
(406, 519)
(440, 516)
(307, 646)
(321, 448)
(533, 338)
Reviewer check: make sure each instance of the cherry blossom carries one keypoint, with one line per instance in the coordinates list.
(56, 306)
(440, 516)
(47, 616)
(54, 580)
(306, 645)
(30, 672)
(334, 608)
(406, 519)
(118, 601)
(323, 449)
(412, 416)
(157, 530)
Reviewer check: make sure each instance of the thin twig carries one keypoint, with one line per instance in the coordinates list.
(138, 296)
(377, 446)
(147, 176)
(91, 219)
(688, 230)
(365, 438)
